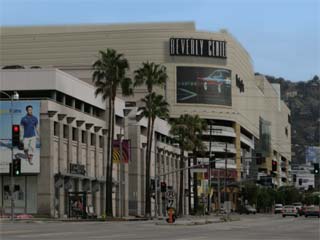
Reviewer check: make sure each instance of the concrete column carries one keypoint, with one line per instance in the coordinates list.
(46, 176)
(237, 143)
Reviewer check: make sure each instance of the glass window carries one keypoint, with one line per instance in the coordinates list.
(65, 131)
(74, 134)
(56, 129)
(92, 139)
(83, 136)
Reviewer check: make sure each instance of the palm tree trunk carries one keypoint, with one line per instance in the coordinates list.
(181, 192)
(195, 185)
(111, 162)
(108, 185)
(148, 160)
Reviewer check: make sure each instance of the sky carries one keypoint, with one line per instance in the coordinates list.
(281, 36)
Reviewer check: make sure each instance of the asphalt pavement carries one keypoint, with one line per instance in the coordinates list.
(252, 227)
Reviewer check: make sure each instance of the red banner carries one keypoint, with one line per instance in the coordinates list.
(125, 151)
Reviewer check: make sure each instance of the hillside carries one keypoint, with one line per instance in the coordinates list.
(303, 99)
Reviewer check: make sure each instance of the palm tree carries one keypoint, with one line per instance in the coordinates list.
(154, 106)
(187, 132)
(150, 74)
(109, 73)
(196, 127)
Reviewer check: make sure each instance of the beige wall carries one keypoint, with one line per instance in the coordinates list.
(74, 48)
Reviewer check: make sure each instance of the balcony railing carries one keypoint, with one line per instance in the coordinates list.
(221, 131)
(220, 147)
(247, 141)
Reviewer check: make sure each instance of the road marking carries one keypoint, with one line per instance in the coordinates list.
(112, 236)
(16, 231)
(37, 235)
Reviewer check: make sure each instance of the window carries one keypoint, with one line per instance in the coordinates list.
(83, 136)
(78, 104)
(86, 108)
(69, 101)
(286, 131)
(101, 142)
(65, 131)
(289, 119)
(59, 97)
(92, 139)
(55, 129)
(74, 134)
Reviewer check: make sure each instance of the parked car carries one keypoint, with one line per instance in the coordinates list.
(247, 209)
(290, 210)
(278, 208)
(312, 211)
(298, 206)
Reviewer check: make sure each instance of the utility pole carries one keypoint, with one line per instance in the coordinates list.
(209, 171)
(189, 184)
(225, 174)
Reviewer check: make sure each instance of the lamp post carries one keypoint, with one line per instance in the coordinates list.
(13, 97)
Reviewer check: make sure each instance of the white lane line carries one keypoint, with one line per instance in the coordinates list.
(112, 236)
(37, 235)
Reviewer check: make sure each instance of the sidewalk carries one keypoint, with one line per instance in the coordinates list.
(198, 220)
(29, 218)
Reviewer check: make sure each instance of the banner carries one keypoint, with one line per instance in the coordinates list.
(125, 151)
(27, 115)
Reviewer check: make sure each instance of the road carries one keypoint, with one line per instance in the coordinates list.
(256, 227)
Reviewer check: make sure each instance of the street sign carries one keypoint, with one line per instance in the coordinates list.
(170, 195)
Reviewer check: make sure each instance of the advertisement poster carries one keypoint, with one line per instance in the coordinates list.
(116, 155)
(26, 114)
(204, 85)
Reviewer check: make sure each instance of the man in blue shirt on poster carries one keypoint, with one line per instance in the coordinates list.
(29, 133)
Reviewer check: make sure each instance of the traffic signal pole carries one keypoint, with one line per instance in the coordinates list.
(15, 96)
(12, 179)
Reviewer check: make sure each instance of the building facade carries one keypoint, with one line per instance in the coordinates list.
(72, 161)
(209, 74)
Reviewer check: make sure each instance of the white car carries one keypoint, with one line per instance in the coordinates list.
(218, 77)
(278, 208)
(290, 210)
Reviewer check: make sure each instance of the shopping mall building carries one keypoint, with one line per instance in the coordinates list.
(209, 74)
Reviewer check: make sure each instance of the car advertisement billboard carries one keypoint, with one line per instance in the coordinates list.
(204, 85)
(25, 114)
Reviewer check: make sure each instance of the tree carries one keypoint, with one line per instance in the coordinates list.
(187, 131)
(150, 74)
(109, 74)
(196, 126)
(154, 106)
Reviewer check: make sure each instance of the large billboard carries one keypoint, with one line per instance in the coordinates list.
(26, 114)
(204, 85)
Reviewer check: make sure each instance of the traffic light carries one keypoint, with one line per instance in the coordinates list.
(316, 168)
(16, 167)
(15, 135)
(274, 166)
(163, 186)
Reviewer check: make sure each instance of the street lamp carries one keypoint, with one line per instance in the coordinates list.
(13, 97)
